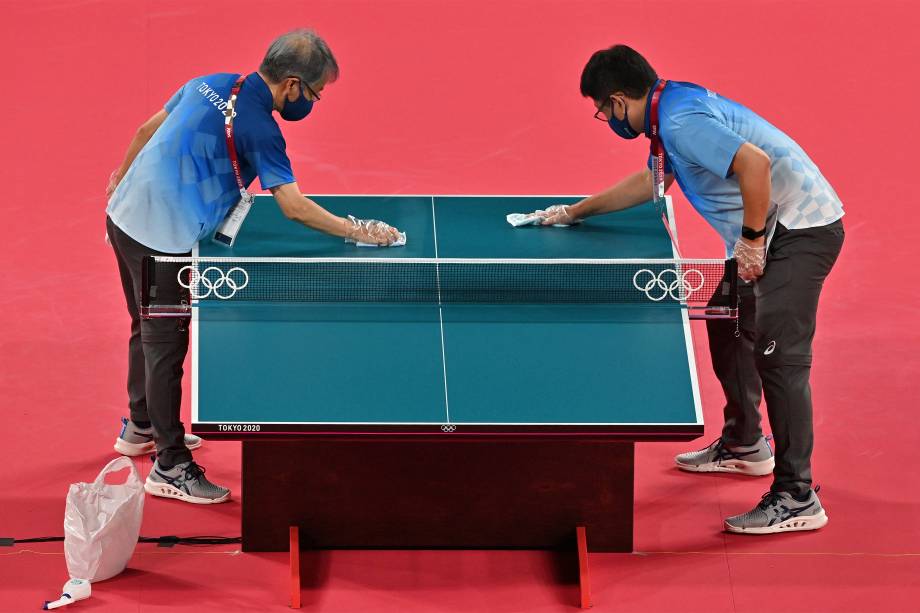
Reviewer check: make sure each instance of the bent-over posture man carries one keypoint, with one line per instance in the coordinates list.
(781, 220)
(174, 188)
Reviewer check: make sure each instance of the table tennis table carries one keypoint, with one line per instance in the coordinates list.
(443, 425)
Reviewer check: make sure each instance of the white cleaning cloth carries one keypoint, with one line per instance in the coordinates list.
(533, 219)
(400, 242)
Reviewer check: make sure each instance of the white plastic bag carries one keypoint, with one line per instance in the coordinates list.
(102, 523)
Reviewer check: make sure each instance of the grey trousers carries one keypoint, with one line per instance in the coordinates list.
(771, 357)
(156, 352)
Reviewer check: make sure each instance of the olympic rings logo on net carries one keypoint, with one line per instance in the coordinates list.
(668, 282)
(202, 284)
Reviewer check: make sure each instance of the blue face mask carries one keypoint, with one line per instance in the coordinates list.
(621, 126)
(297, 110)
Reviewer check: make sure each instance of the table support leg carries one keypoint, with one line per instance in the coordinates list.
(584, 577)
(295, 566)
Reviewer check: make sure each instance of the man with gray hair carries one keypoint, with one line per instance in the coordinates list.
(175, 186)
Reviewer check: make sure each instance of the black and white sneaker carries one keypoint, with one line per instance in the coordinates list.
(780, 512)
(755, 460)
(184, 482)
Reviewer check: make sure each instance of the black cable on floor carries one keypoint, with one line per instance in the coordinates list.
(161, 541)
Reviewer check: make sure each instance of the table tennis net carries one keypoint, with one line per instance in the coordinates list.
(173, 285)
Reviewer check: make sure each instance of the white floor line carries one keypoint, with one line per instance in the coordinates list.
(437, 270)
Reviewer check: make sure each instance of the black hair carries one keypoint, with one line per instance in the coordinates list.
(617, 69)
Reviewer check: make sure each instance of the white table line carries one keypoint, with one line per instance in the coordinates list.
(437, 269)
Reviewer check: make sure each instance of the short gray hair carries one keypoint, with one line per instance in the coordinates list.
(300, 53)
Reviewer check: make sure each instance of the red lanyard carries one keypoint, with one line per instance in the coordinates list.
(230, 226)
(658, 163)
(228, 132)
(657, 147)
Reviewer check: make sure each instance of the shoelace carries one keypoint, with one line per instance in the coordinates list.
(773, 498)
(768, 500)
(723, 452)
(193, 472)
(716, 445)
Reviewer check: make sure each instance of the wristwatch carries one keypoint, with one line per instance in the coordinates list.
(751, 233)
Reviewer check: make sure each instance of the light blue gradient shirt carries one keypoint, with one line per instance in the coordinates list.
(181, 185)
(701, 132)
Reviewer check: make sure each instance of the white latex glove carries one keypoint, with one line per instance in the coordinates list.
(558, 215)
(370, 231)
(751, 259)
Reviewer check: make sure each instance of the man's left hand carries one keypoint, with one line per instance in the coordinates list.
(114, 180)
(751, 257)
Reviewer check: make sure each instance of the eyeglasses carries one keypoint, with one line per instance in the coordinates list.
(599, 114)
(304, 84)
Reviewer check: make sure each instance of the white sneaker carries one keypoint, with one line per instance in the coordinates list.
(184, 482)
(780, 512)
(134, 441)
(755, 460)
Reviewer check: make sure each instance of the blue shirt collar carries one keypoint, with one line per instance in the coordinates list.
(260, 91)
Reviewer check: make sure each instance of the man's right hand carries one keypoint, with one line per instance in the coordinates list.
(558, 214)
(370, 231)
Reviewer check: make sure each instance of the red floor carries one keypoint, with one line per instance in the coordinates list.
(477, 96)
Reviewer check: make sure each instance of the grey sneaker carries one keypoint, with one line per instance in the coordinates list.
(186, 482)
(780, 512)
(134, 441)
(754, 460)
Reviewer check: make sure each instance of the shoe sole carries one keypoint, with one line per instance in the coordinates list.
(135, 449)
(132, 449)
(739, 467)
(795, 524)
(165, 490)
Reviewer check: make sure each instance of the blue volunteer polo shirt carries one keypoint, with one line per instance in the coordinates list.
(181, 184)
(702, 131)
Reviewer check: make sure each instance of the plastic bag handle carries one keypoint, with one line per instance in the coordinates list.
(116, 465)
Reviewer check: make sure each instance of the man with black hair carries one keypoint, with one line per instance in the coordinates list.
(780, 219)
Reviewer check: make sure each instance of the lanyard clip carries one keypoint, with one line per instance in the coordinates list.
(229, 113)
